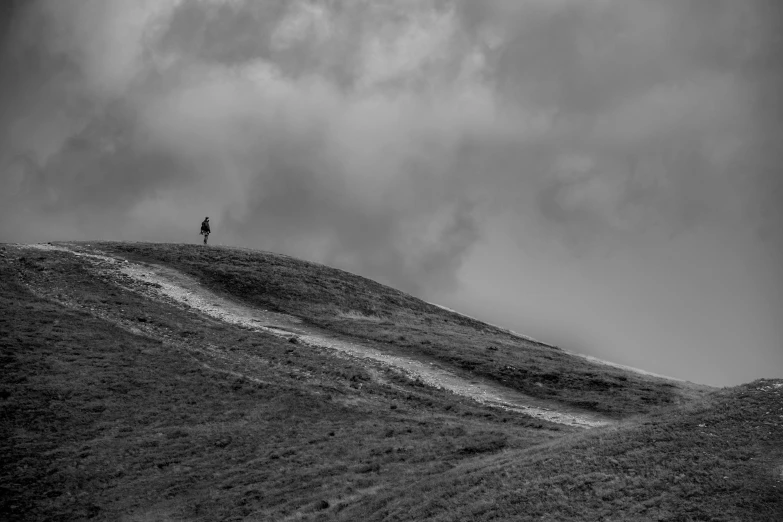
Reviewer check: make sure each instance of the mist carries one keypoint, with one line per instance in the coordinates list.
(601, 175)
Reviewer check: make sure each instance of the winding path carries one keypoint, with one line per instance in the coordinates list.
(161, 282)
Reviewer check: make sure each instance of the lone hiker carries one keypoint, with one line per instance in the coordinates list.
(205, 229)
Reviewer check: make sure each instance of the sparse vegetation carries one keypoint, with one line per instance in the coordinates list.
(323, 296)
(100, 423)
(719, 460)
(116, 407)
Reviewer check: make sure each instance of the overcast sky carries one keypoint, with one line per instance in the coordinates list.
(603, 175)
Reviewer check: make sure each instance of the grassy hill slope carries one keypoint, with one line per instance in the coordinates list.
(116, 407)
(99, 422)
(720, 459)
(363, 309)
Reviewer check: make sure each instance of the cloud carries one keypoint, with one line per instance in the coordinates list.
(303, 22)
(380, 136)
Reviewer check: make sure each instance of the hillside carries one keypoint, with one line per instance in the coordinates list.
(122, 399)
(399, 323)
(719, 459)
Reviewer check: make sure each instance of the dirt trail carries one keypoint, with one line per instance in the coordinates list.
(163, 282)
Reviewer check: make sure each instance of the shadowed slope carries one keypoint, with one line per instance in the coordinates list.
(718, 460)
(118, 407)
(400, 323)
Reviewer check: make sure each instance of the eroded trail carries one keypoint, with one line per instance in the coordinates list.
(159, 282)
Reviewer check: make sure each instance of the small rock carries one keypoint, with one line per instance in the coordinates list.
(294, 340)
(141, 319)
(321, 505)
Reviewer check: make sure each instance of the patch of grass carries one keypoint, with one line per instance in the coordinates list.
(334, 299)
(719, 460)
(221, 423)
(177, 417)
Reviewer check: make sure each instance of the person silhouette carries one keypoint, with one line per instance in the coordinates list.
(205, 229)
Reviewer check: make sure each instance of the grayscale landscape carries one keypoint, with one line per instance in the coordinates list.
(181, 382)
(391, 260)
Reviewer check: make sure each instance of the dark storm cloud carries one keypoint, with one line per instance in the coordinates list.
(382, 136)
(613, 88)
(143, 115)
(651, 105)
